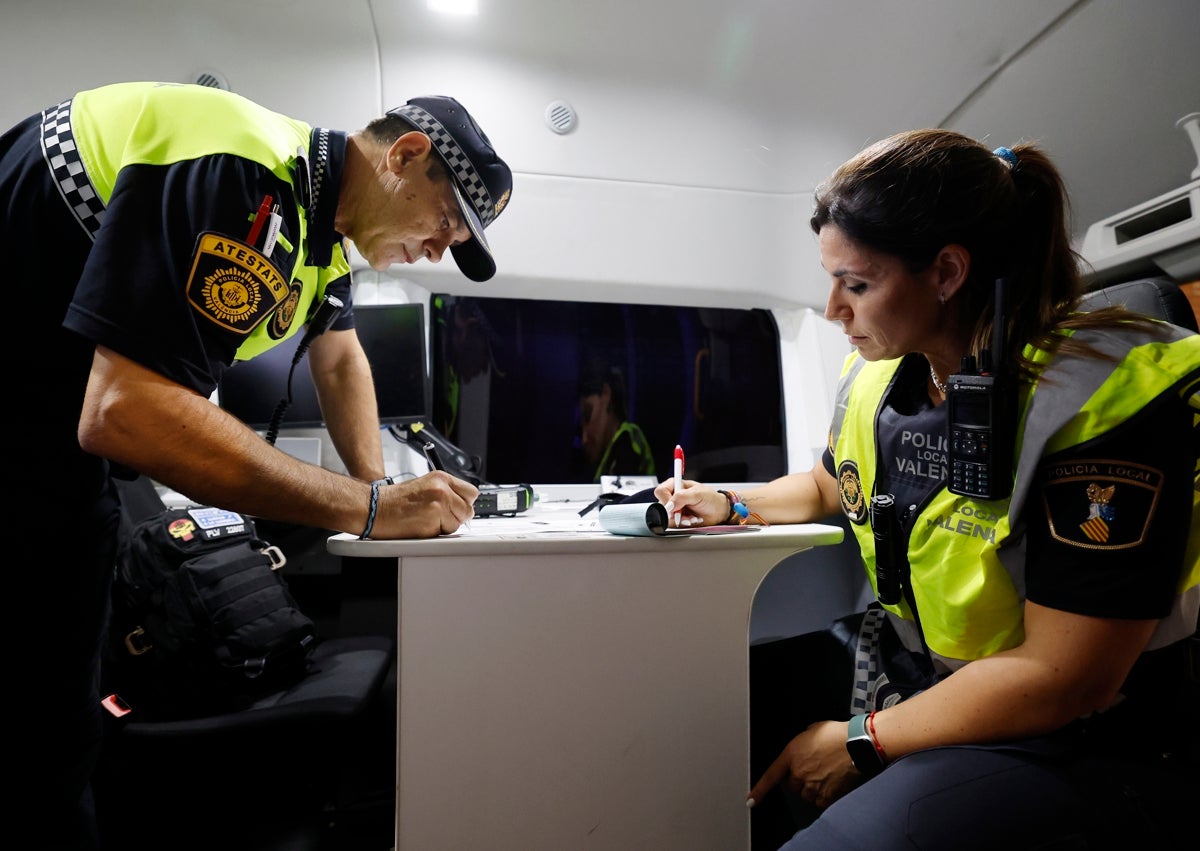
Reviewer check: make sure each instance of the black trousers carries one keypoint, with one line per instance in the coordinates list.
(1109, 784)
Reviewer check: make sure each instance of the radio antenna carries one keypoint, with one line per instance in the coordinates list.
(995, 357)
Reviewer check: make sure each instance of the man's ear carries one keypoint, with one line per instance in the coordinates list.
(411, 147)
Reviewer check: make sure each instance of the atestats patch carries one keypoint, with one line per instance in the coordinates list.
(1099, 504)
(232, 284)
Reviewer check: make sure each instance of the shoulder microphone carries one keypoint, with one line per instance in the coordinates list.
(327, 312)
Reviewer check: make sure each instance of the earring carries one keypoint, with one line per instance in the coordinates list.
(941, 298)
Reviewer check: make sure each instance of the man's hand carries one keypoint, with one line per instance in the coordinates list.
(434, 504)
(814, 765)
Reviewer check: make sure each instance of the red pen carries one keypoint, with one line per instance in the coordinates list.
(678, 476)
(260, 218)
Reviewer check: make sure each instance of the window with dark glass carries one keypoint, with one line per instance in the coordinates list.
(518, 382)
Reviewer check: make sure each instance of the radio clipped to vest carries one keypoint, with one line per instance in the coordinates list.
(982, 419)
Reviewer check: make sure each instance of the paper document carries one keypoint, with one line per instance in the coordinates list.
(646, 519)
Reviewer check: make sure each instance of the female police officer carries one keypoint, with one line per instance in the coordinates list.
(1026, 643)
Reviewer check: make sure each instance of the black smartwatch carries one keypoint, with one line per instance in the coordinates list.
(861, 747)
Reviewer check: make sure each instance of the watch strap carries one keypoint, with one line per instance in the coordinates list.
(857, 728)
(860, 744)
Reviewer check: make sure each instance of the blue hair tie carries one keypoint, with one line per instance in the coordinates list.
(1008, 156)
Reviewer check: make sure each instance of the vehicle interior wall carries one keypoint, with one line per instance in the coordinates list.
(703, 127)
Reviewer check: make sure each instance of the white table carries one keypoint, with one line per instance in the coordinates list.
(562, 688)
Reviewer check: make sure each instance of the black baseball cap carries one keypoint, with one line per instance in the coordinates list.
(482, 181)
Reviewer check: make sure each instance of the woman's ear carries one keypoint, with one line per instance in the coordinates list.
(951, 267)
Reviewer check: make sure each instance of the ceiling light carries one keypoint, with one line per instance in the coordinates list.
(454, 7)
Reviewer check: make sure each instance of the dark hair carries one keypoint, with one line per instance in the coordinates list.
(598, 371)
(388, 128)
(916, 192)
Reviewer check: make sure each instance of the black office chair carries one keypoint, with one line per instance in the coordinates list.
(311, 766)
(1159, 297)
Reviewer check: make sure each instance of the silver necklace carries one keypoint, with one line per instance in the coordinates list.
(941, 388)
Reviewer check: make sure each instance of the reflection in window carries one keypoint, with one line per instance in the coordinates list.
(557, 392)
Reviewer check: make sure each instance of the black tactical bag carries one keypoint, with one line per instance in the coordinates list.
(202, 621)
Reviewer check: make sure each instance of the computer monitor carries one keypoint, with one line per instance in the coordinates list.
(393, 337)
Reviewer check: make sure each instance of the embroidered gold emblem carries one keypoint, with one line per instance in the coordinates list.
(1099, 512)
(233, 285)
(854, 504)
(503, 201)
(285, 314)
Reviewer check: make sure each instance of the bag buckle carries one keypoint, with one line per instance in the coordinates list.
(133, 642)
(278, 559)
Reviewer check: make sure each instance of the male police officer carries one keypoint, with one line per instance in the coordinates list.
(153, 234)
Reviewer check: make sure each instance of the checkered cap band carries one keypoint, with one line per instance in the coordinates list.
(473, 188)
(61, 155)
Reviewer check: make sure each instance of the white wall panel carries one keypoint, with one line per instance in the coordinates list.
(645, 244)
(304, 58)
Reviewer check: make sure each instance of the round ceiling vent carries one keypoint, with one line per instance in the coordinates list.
(212, 79)
(560, 117)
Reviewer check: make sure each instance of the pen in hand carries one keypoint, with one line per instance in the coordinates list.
(678, 476)
(435, 463)
(435, 460)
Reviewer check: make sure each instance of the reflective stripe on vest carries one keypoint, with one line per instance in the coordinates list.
(641, 448)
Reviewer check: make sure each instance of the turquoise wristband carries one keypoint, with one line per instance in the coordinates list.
(860, 744)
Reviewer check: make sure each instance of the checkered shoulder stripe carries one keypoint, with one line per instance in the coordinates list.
(473, 187)
(866, 662)
(58, 149)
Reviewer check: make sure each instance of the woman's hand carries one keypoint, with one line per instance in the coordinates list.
(815, 765)
(699, 504)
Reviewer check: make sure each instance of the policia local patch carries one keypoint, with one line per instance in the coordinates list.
(232, 284)
(1098, 504)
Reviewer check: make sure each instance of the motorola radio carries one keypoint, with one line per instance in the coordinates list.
(982, 419)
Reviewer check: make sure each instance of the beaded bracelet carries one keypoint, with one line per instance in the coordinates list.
(734, 500)
(375, 485)
(739, 513)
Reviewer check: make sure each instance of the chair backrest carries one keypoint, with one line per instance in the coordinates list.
(1158, 297)
(284, 761)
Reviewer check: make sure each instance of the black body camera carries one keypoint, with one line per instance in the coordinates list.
(890, 549)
